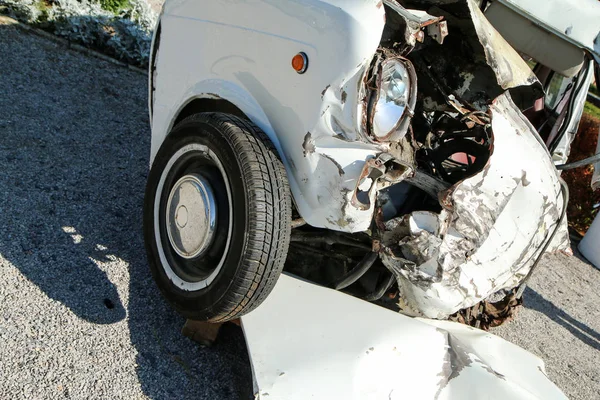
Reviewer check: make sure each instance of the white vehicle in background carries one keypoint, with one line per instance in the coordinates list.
(381, 147)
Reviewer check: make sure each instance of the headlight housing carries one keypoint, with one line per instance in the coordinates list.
(392, 100)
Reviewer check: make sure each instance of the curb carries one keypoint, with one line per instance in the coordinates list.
(8, 21)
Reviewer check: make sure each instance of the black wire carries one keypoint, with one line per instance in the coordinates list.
(558, 138)
(357, 272)
(565, 194)
(381, 288)
(581, 163)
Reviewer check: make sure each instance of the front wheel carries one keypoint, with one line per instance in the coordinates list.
(217, 216)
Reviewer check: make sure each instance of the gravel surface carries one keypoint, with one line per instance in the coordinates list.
(79, 314)
(561, 323)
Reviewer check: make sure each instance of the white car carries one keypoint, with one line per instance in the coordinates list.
(380, 147)
(374, 148)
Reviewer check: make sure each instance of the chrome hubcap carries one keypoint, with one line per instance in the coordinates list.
(191, 216)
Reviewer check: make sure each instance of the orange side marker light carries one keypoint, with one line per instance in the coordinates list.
(300, 62)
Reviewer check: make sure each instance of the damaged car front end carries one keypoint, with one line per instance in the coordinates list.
(413, 173)
(459, 196)
(371, 147)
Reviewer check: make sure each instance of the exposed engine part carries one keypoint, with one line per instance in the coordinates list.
(452, 151)
(357, 272)
(475, 63)
(381, 289)
(328, 237)
(318, 253)
(411, 24)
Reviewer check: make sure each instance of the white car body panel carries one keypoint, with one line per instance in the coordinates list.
(303, 117)
(310, 342)
(576, 21)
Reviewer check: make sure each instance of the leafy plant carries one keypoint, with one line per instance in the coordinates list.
(120, 28)
(114, 6)
(580, 210)
(592, 110)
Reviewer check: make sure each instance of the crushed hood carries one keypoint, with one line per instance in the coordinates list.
(309, 342)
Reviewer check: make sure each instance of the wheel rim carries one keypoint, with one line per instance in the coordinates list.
(193, 250)
(191, 216)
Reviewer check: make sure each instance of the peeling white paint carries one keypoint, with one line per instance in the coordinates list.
(498, 221)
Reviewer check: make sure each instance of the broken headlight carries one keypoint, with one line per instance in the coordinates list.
(392, 104)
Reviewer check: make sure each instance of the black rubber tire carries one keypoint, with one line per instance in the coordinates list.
(261, 217)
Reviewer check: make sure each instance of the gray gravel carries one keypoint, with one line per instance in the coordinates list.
(561, 323)
(79, 314)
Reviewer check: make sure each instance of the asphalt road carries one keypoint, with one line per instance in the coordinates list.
(79, 314)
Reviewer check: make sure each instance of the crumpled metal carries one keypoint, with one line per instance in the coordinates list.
(491, 230)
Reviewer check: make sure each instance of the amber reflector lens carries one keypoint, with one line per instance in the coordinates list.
(299, 62)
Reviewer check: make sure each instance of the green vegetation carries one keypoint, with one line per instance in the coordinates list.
(114, 6)
(43, 6)
(592, 110)
(594, 89)
(118, 28)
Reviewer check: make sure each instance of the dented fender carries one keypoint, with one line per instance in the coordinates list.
(312, 118)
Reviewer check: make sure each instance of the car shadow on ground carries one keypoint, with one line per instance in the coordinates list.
(74, 152)
(581, 331)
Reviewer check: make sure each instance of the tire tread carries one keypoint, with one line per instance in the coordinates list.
(269, 214)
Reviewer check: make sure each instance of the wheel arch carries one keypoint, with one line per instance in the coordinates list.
(212, 103)
(214, 96)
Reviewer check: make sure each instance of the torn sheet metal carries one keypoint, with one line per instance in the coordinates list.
(475, 63)
(304, 343)
(511, 71)
(415, 21)
(491, 230)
